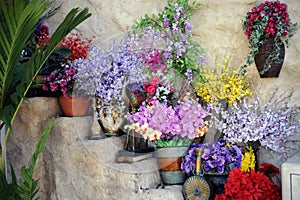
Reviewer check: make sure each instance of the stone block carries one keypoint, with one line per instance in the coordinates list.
(290, 178)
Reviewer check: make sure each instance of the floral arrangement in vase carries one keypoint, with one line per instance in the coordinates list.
(268, 20)
(107, 71)
(222, 83)
(257, 124)
(166, 125)
(217, 157)
(251, 185)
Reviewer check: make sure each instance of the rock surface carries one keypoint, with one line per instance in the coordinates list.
(74, 167)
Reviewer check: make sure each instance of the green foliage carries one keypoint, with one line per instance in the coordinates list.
(166, 22)
(156, 21)
(18, 22)
(174, 143)
(27, 187)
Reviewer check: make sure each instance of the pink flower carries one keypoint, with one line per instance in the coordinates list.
(53, 87)
(154, 80)
(171, 89)
(149, 99)
(63, 83)
(45, 88)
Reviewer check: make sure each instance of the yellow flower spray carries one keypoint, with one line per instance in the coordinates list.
(222, 83)
(248, 160)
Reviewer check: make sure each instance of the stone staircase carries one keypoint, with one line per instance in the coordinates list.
(74, 167)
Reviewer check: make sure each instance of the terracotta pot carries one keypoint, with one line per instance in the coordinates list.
(74, 106)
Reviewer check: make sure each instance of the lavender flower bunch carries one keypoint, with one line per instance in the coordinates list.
(218, 157)
(106, 72)
(269, 124)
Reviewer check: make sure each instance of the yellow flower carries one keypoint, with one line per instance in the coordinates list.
(248, 160)
(222, 82)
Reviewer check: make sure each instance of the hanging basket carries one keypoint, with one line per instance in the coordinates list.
(260, 59)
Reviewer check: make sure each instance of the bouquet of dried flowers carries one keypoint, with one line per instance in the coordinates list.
(253, 123)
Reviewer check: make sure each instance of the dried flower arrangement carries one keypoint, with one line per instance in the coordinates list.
(257, 124)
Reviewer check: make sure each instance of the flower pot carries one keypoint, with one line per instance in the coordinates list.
(261, 58)
(169, 162)
(74, 106)
(217, 181)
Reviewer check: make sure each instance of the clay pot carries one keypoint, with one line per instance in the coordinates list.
(74, 106)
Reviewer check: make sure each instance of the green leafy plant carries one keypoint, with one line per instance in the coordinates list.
(181, 51)
(18, 22)
(26, 187)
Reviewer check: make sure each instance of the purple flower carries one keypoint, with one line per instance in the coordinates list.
(216, 157)
(268, 125)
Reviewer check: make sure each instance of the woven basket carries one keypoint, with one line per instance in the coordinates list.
(264, 52)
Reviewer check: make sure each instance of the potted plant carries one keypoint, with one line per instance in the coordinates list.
(72, 101)
(171, 129)
(17, 77)
(218, 159)
(266, 25)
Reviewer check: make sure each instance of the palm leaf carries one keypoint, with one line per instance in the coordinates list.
(27, 188)
(18, 23)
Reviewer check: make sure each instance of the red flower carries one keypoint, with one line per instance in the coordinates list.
(268, 169)
(79, 46)
(247, 186)
(149, 88)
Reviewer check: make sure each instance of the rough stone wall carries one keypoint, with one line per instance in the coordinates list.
(73, 167)
(217, 25)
